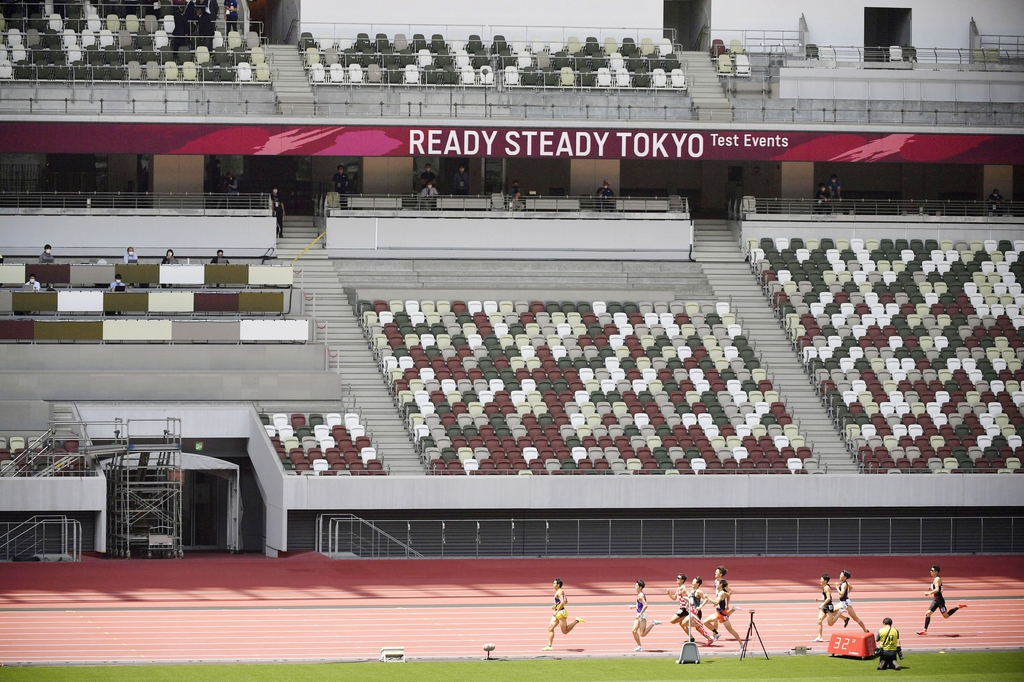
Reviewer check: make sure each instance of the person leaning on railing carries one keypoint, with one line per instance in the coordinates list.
(995, 202)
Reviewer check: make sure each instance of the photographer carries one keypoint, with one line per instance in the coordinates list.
(888, 646)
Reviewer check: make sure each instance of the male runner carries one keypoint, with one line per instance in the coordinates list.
(828, 610)
(681, 595)
(844, 604)
(720, 578)
(722, 612)
(560, 617)
(938, 601)
(641, 628)
(692, 615)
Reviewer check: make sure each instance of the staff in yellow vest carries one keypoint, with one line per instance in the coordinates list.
(889, 646)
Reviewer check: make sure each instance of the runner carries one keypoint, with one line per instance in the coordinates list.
(560, 616)
(844, 604)
(938, 601)
(641, 628)
(722, 612)
(720, 578)
(828, 609)
(681, 595)
(697, 601)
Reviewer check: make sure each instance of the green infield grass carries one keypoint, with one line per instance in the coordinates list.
(955, 667)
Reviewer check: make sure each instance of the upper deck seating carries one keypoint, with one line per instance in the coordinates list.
(588, 387)
(915, 347)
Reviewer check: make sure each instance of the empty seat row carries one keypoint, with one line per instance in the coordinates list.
(64, 274)
(332, 444)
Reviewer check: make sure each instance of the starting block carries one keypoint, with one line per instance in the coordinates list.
(855, 644)
(390, 654)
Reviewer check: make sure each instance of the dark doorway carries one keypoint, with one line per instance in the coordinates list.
(885, 26)
(292, 175)
(204, 511)
(684, 20)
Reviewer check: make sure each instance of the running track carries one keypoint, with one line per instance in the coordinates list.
(309, 608)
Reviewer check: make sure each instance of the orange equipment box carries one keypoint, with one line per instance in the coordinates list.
(857, 644)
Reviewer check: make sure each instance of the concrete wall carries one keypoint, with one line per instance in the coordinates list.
(163, 357)
(177, 174)
(521, 236)
(42, 495)
(935, 23)
(652, 492)
(24, 415)
(458, 17)
(383, 175)
(797, 179)
(914, 85)
(194, 236)
(586, 175)
(882, 227)
(149, 385)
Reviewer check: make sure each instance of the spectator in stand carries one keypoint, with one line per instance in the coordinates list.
(516, 194)
(427, 176)
(231, 185)
(821, 198)
(460, 183)
(32, 284)
(169, 258)
(46, 256)
(604, 197)
(204, 13)
(231, 15)
(182, 28)
(130, 258)
(428, 196)
(835, 188)
(277, 206)
(340, 180)
(995, 202)
(219, 259)
(117, 284)
(1, 259)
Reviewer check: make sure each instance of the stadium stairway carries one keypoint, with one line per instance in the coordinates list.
(349, 355)
(704, 87)
(290, 82)
(718, 252)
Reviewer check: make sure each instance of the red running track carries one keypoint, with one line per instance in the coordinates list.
(309, 608)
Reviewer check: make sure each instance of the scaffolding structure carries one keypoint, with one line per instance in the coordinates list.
(144, 486)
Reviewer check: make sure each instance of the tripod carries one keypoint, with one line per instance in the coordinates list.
(752, 628)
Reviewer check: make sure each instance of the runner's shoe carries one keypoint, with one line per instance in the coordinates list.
(817, 639)
(655, 622)
(846, 621)
(639, 648)
(580, 620)
(961, 606)
(547, 648)
(922, 632)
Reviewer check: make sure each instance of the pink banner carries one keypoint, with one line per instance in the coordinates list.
(508, 142)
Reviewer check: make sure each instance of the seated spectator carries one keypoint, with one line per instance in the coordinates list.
(835, 188)
(460, 183)
(427, 195)
(820, 197)
(219, 259)
(516, 201)
(117, 284)
(340, 181)
(169, 259)
(46, 256)
(32, 284)
(604, 195)
(995, 202)
(130, 258)
(231, 184)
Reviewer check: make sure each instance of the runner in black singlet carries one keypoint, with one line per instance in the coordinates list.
(938, 601)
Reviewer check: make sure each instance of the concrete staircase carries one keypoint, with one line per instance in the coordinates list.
(704, 87)
(290, 82)
(722, 259)
(348, 352)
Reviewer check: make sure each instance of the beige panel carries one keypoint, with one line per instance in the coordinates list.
(13, 274)
(178, 173)
(1001, 178)
(586, 175)
(798, 179)
(136, 330)
(171, 302)
(384, 175)
(271, 275)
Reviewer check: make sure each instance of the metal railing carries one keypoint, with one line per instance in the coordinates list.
(1010, 45)
(460, 32)
(106, 202)
(350, 536)
(695, 537)
(862, 112)
(759, 41)
(504, 205)
(854, 55)
(875, 207)
(41, 538)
